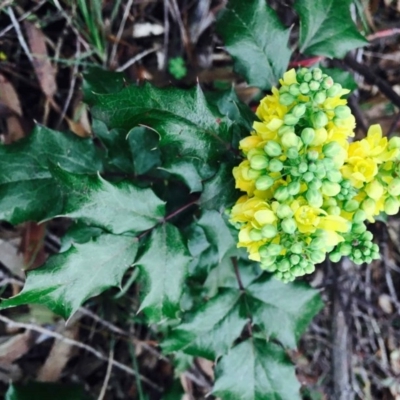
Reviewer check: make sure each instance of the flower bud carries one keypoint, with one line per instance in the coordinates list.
(359, 216)
(253, 173)
(342, 111)
(258, 162)
(286, 99)
(345, 249)
(334, 90)
(294, 259)
(289, 226)
(284, 129)
(269, 231)
(327, 83)
(334, 210)
(273, 149)
(307, 76)
(296, 248)
(282, 193)
(284, 211)
(394, 143)
(255, 235)
(268, 263)
(317, 74)
(312, 167)
(317, 257)
(351, 205)
(310, 268)
(321, 135)
(392, 206)
(308, 176)
(374, 190)
(368, 205)
(314, 85)
(264, 182)
(293, 188)
(294, 89)
(394, 187)
(335, 256)
(319, 119)
(331, 149)
(303, 167)
(307, 135)
(315, 185)
(275, 165)
(299, 110)
(289, 139)
(318, 243)
(330, 189)
(292, 153)
(319, 97)
(358, 228)
(290, 119)
(304, 88)
(334, 176)
(283, 265)
(314, 198)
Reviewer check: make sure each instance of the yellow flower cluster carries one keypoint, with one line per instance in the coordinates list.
(308, 190)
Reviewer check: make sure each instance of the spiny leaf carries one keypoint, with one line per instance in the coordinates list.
(212, 329)
(27, 189)
(256, 370)
(116, 207)
(326, 28)
(188, 127)
(257, 41)
(164, 266)
(283, 311)
(187, 172)
(66, 280)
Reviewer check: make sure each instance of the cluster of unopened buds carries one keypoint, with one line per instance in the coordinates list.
(309, 191)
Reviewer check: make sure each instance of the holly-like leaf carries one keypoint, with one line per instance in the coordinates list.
(45, 391)
(116, 207)
(219, 192)
(164, 266)
(79, 233)
(283, 311)
(212, 329)
(27, 189)
(326, 28)
(66, 280)
(257, 41)
(187, 172)
(189, 127)
(256, 370)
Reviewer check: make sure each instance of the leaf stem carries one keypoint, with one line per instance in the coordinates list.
(237, 273)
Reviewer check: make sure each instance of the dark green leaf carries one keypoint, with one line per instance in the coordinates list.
(97, 80)
(326, 28)
(283, 311)
(27, 190)
(212, 329)
(164, 266)
(257, 41)
(187, 172)
(256, 370)
(219, 191)
(116, 207)
(188, 127)
(45, 391)
(66, 280)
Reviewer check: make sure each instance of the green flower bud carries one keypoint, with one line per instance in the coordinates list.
(274, 249)
(342, 111)
(286, 99)
(310, 268)
(290, 139)
(392, 206)
(359, 216)
(294, 89)
(293, 188)
(307, 135)
(368, 259)
(289, 226)
(307, 77)
(317, 74)
(351, 205)
(394, 143)
(335, 256)
(255, 235)
(313, 155)
(281, 194)
(304, 88)
(294, 259)
(357, 253)
(334, 210)
(312, 167)
(328, 164)
(319, 97)
(269, 231)
(334, 176)
(264, 182)
(283, 265)
(253, 173)
(268, 263)
(275, 165)
(327, 83)
(319, 119)
(300, 73)
(303, 263)
(314, 85)
(358, 228)
(290, 119)
(284, 129)
(334, 90)
(330, 189)
(345, 249)
(258, 162)
(273, 149)
(367, 236)
(368, 205)
(303, 167)
(394, 187)
(317, 257)
(308, 176)
(299, 110)
(284, 211)
(292, 153)
(318, 243)
(297, 248)
(297, 271)
(331, 149)
(315, 185)
(314, 198)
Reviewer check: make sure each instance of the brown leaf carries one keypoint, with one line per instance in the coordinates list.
(15, 347)
(32, 245)
(41, 63)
